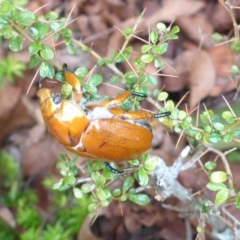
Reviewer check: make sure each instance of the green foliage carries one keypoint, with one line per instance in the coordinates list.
(18, 25)
(9, 68)
(65, 222)
(101, 177)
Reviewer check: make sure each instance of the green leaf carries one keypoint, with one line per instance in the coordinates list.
(117, 192)
(235, 70)
(145, 48)
(210, 165)
(95, 80)
(6, 7)
(199, 229)
(102, 62)
(46, 70)
(107, 192)
(134, 162)
(175, 30)
(86, 187)
(151, 79)
(208, 129)
(51, 16)
(147, 58)
(162, 96)
(34, 32)
(43, 30)
(95, 166)
(238, 202)
(4, 29)
(161, 27)
(114, 79)
(57, 185)
(71, 48)
(128, 31)
(130, 77)
(15, 43)
(215, 138)
(108, 174)
(105, 203)
(161, 49)
(218, 126)
(218, 177)
(26, 18)
(127, 184)
(66, 34)
(158, 63)
(227, 115)
(66, 90)
(143, 177)
(70, 179)
(98, 179)
(101, 194)
(92, 207)
(154, 36)
(170, 105)
(140, 199)
(55, 26)
(47, 53)
(216, 38)
(216, 186)
(77, 192)
(3, 19)
(81, 72)
(34, 48)
(228, 137)
(151, 163)
(221, 196)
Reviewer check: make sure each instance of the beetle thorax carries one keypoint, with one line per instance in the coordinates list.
(98, 113)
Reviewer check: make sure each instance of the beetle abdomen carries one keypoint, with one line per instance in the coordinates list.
(116, 140)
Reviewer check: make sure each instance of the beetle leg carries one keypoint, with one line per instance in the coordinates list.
(136, 115)
(72, 79)
(112, 169)
(113, 101)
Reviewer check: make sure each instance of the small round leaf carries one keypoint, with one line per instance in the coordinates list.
(147, 58)
(128, 182)
(140, 199)
(77, 193)
(221, 196)
(218, 177)
(143, 177)
(210, 165)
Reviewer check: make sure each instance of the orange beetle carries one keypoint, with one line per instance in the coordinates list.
(99, 130)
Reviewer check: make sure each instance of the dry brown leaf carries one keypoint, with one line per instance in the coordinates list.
(223, 58)
(170, 10)
(201, 78)
(86, 233)
(197, 28)
(220, 18)
(195, 70)
(167, 13)
(13, 113)
(42, 156)
(180, 69)
(7, 216)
